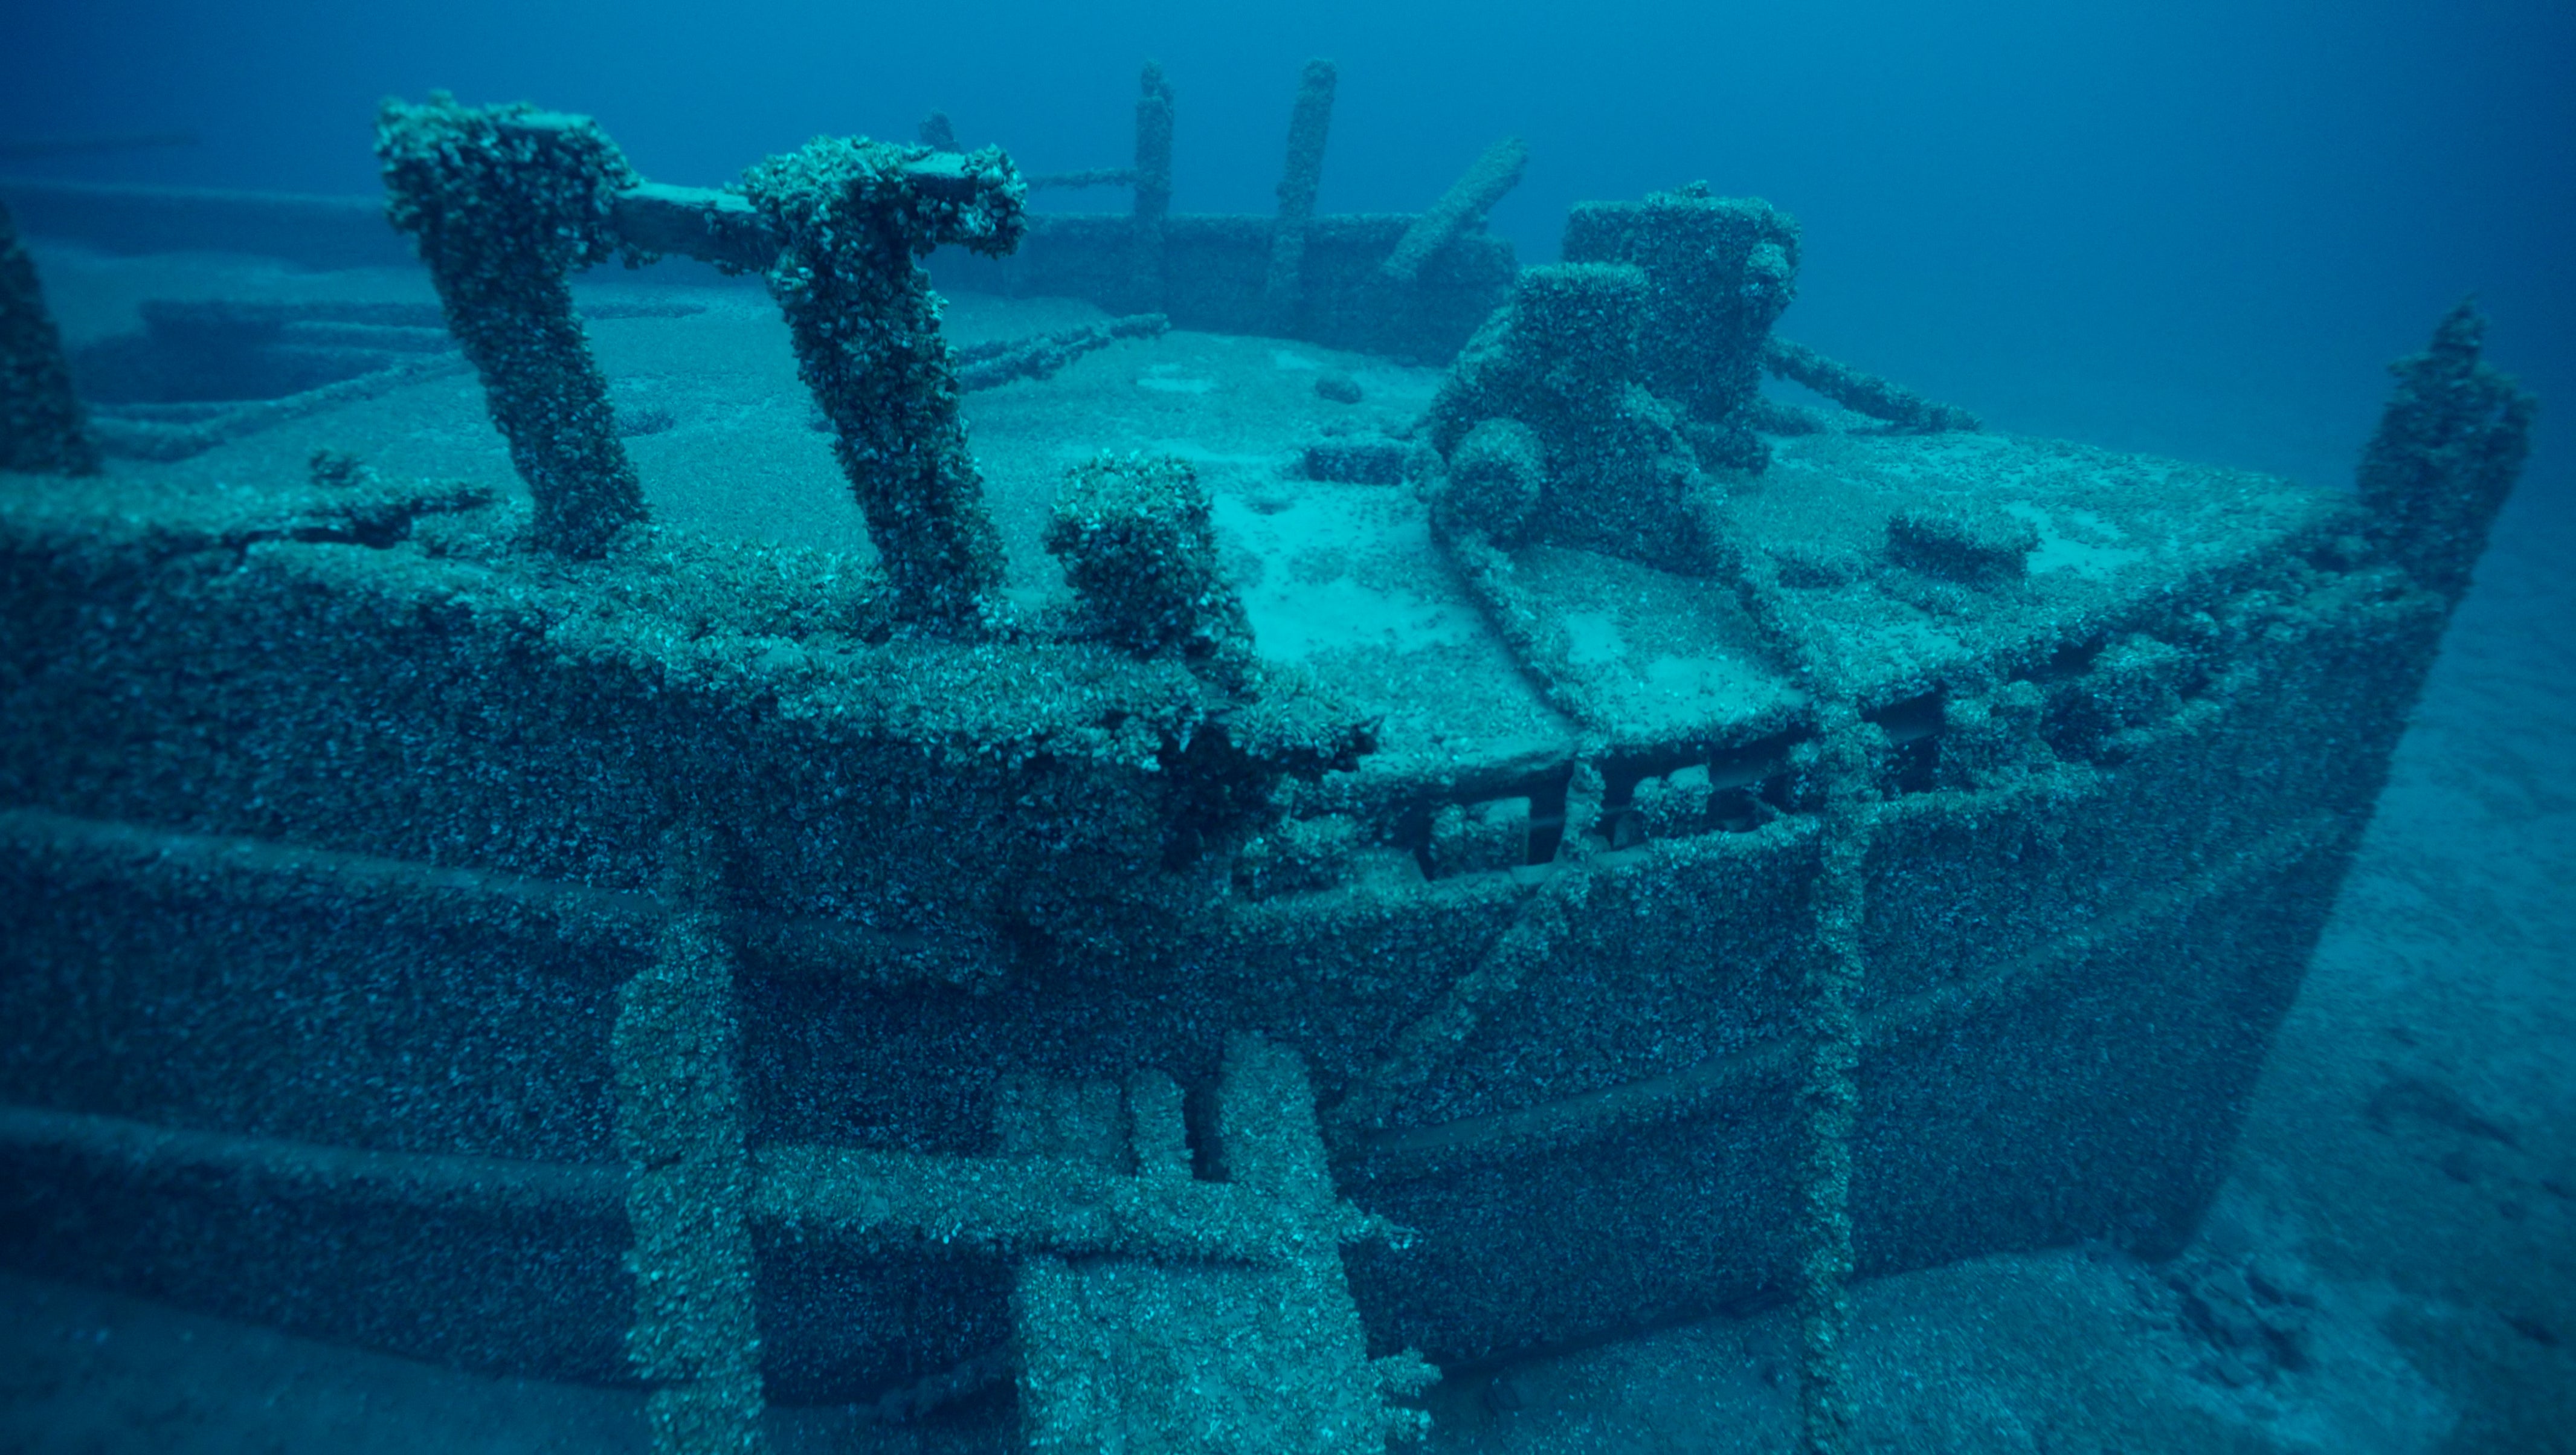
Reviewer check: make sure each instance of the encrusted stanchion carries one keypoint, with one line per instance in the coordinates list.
(854, 218)
(41, 428)
(506, 202)
(1412, 288)
(680, 1130)
(2446, 454)
(1829, 1089)
(1283, 290)
(1153, 187)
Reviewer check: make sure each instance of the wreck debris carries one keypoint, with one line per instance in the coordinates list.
(2446, 453)
(1564, 360)
(1719, 270)
(1339, 387)
(1283, 290)
(1125, 1352)
(1137, 545)
(1864, 393)
(505, 202)
(1971, 547)
(1463, 206)
(42, 428)
(991, 365)
(1289, 273)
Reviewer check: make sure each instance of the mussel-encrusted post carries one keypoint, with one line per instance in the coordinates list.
(680, 1130)
(1829, 1083)
(41, 428)
(938, 133)
(505, 202)
(1283, 290)
(1153, 187)
(2447, 452)
(854, 218)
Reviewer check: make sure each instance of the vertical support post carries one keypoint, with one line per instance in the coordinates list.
(41, 426)
(854, 218)
(1829, 1090)
(1283, 290)
(938, 133)
(2446, 453)
(680, 1131)
(1153, 189)
(505, 202)
(1829, 1071)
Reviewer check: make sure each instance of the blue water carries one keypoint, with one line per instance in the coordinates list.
(2193, 228)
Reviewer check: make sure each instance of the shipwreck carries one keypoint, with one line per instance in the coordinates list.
(1308, 876)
